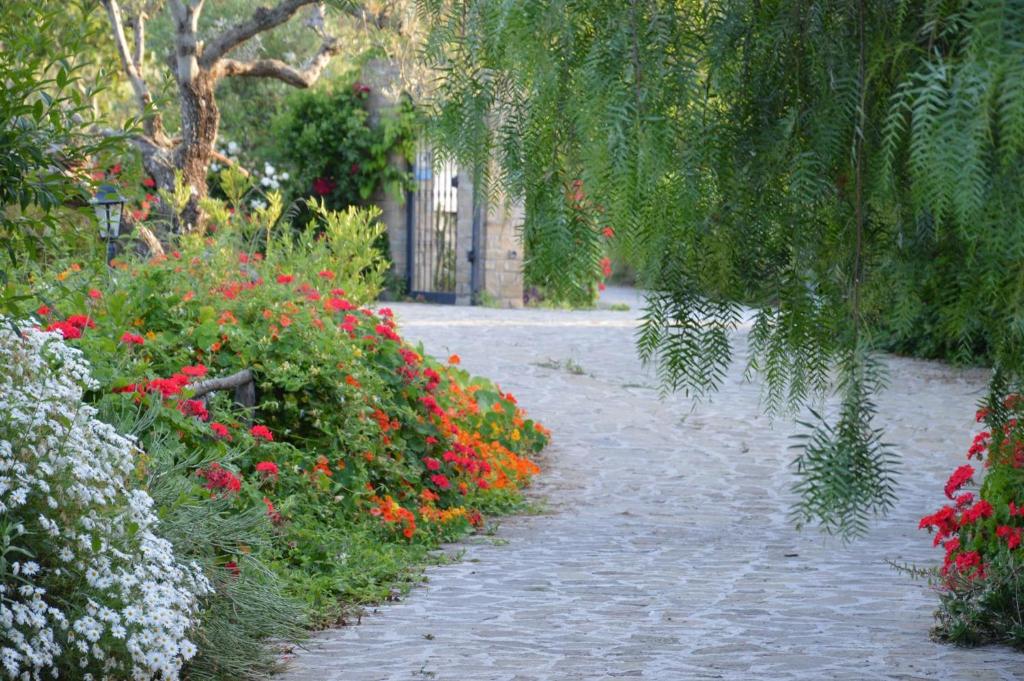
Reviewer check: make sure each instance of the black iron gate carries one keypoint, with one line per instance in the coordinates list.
(432, 210)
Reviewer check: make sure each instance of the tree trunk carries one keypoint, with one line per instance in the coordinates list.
(200, 120)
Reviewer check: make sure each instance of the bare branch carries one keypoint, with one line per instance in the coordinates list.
(263, 19)
(303, 77)
(139, 33)
(228, 161)
(132, 65)
(235, 380)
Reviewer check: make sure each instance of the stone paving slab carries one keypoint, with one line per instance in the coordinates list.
(666, 552)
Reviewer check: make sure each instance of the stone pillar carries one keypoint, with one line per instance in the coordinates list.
(464, 241)
(383, 79)
(503, 253)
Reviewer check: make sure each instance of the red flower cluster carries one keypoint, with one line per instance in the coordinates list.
(129, 338)
(268, 469)
(194, 408)
(957, 480)
(221, 431)
(73, 326)
(219, 478)
(262, 433)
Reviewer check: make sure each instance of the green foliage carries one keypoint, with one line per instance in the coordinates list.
(324, 140)
(45, 149)
(849, 170)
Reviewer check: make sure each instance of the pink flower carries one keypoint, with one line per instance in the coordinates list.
(262, 433)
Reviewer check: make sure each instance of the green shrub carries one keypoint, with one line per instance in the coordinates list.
(360, 453)
(324, 140)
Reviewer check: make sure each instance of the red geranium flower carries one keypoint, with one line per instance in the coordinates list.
(957, 480)
(262, 433)
(43, 311)
(440, 480)
(285, 278)
(195, 370)
(221, 431)
(268, 468)
(219, 478)
(149, 182)
(132, 338)
(432, 463)
(194, 408)
(326, 274)
(67, 329)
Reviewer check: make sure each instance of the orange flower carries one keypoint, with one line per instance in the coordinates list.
(454, 359)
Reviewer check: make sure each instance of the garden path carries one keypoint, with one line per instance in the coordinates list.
(665, 552)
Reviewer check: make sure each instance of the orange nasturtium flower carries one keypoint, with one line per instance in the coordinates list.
(454, 359)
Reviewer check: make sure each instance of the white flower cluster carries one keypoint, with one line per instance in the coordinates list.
(87, 585)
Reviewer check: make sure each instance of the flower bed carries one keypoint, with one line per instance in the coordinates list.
(359, 452)
(89, 589)
(983, 570)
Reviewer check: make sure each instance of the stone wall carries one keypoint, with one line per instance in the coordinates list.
(502, 267)
(382, 77)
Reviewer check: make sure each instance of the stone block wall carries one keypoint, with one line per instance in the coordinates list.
(502, 267)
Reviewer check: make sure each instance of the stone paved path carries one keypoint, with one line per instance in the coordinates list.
(666, 553)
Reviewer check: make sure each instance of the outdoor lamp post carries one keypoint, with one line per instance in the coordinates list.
(108, 205)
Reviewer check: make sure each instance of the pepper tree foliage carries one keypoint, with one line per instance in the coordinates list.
(849, 170)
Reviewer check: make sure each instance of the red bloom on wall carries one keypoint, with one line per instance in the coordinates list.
(262, 433)
(982, 509)
(322, 186)
(958, 479)
(267, 468)
(132, 338)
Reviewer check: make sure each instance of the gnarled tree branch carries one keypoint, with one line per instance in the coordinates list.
(263, 19)
(303, 77)
(235, 380)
